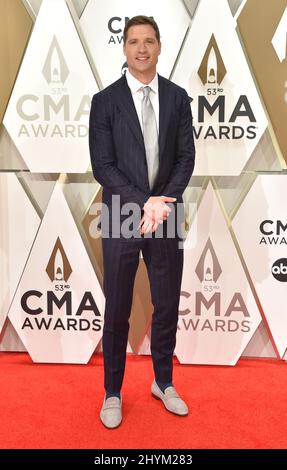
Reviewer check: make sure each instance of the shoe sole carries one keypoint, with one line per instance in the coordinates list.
(108, 427)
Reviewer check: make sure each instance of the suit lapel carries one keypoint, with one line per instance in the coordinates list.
(164, 105)
(124, 100)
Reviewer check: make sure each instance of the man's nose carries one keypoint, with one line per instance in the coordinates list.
(142, 47)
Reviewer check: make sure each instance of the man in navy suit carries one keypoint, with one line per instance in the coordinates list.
(142, 153)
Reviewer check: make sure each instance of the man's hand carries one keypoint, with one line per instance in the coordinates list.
(146, 225)
(155, 212)
(156, 208)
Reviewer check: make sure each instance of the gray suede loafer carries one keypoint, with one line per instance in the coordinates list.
(111, 412)
(170, 399)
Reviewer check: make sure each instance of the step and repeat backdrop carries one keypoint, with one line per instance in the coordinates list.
(230, 56)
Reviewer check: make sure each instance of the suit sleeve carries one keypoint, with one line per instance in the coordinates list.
(185, 154)
(103, 157)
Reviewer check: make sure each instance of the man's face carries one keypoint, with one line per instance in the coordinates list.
(142, 50)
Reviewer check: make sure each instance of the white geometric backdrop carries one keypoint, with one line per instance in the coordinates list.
(234, 289)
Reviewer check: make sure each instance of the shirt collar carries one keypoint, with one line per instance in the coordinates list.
(134, 84)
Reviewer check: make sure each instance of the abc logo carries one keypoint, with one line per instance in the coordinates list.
(279, 270)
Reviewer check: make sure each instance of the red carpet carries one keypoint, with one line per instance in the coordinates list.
(57, 406)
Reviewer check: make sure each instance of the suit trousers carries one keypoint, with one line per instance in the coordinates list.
(164, 262)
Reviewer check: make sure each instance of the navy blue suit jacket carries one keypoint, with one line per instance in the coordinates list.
(117, 147)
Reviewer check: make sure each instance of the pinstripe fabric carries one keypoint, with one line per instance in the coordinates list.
(119, 164)
(117, 147)
(164, 261)
(121, 258)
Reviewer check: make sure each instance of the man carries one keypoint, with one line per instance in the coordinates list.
(142, 151)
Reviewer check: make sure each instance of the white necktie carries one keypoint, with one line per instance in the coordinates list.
(150, 135)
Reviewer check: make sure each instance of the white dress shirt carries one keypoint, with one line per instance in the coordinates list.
(137, 94)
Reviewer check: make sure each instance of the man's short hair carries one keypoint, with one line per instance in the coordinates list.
(138, 20)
